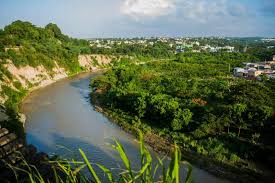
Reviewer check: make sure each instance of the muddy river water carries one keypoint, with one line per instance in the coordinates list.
(60, 120)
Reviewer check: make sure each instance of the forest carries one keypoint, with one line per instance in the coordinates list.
(26, 44)
(196, 102)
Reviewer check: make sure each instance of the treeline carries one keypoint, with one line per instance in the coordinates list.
(230, 59)
(198, 104)
(26, 44)
(157, 50)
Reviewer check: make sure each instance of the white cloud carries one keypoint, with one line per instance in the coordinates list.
(200, 11)
(203, 11)
(147, 8)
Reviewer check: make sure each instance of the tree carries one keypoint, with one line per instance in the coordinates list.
(181, 119)
(237, 113)
(140, 105)
(55, 30)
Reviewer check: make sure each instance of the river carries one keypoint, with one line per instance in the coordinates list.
(60, 120)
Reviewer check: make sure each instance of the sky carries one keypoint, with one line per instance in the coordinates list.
(146, 18)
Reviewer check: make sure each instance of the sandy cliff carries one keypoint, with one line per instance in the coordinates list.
(33, 77)
(95, 61)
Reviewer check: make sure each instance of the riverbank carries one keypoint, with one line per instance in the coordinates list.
(164, 144)
(31, 90)
(61, 115)
(15, 119)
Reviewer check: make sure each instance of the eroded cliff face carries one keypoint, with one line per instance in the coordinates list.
(30, 77)
(95, 62)
(34, 77)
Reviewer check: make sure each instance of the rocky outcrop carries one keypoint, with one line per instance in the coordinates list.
(9, 144)
(14, 152)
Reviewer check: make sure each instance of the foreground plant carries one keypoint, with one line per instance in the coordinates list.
(72, 171)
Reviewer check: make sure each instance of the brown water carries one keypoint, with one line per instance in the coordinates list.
(60, 120)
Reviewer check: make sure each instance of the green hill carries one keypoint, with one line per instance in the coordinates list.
(33, 56)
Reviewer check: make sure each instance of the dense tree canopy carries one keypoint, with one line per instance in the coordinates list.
(27, 44)
(196, 101)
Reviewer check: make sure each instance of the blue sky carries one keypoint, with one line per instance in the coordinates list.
(136, 18)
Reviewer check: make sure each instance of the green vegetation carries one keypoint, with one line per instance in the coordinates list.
(12, 123)
(158, 50)
(195, 101)
(26, 44)
(188, 98)
(73, 171)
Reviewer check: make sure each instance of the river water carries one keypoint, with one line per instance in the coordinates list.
(60, 120)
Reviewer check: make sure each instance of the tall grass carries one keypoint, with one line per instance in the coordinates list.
(72, 171)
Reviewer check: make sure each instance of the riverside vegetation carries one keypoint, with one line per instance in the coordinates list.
(194, 101)
(27, 45)
(189, 98)
(24, 44)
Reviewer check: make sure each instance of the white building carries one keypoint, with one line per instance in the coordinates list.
(239, 72)
(253, 72)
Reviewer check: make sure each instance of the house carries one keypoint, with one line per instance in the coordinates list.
(272, 62)
(253, 72)
(179, 49)
(229, 48)
(267, 67)
(240, 72)
(251, 65)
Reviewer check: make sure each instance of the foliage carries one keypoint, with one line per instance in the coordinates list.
(196, 101)
(27, 44)
(72, 171)
(14, 97)
(142, 52)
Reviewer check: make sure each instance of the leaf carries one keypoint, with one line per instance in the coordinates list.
(107, 172)
(91, 170)
(124, 157)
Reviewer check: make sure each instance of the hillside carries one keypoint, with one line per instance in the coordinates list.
(32, 57)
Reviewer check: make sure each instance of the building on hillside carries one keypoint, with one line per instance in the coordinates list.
(229, 48)
(179, 49)
(251, 65)
(240, 72)
(253, 72)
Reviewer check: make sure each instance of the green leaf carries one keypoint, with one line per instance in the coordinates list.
(91, 170)
(107, 172)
